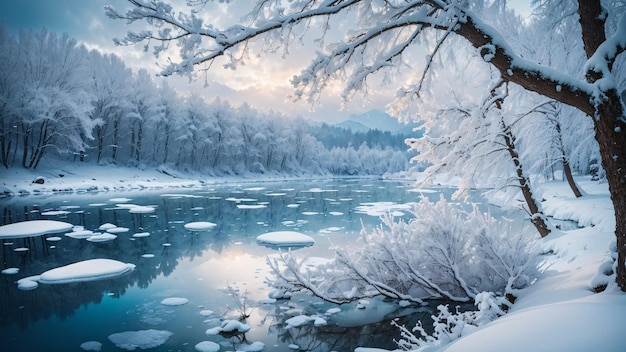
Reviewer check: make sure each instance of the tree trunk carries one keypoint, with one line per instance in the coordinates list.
(536, 215)
(610, 126)
(567, 171)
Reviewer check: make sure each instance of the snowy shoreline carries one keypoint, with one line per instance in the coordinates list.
(85, 178)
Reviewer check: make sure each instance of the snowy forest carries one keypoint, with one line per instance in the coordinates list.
(61, 100)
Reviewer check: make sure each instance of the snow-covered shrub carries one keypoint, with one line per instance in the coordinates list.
(448, 326)
(445, 252)
(605, 277)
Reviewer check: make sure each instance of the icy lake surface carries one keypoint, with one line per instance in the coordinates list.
(178, 289)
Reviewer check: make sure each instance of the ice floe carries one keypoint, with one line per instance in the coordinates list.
(143, 339)
(33, 228)
(88, 270)
(285, 239)
(200, 226)
(207, 346)
(91, 346)
(174, 301)
(101, 237)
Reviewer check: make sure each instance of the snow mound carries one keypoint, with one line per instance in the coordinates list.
(33, 228)
(143, 339)
(88, 270)
(285, 239)
(200, 226)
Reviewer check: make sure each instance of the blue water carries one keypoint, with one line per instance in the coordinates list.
(196, 266)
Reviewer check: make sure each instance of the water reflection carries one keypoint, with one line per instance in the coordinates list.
(173, 260)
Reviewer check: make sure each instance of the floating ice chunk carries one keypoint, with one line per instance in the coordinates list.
(143, 339)
(11, 271)
(120, 200)
(33, 228)
(80, 234)
(91, 346)
(200, 226)
(251, 206)
(148, 255)
(141, 210)
(55, 212)
(293, 347)
(310, 213)
(333, 310)
(285, 239)
(87, 270)
(106, 226)
(21, 249)
(293, 205)
(118, 230)
(298, 320)
(229, 326)
(335, 213)
(53, 239)
(206, 312)
(276, 194)
(174, 301)
(102, 237)
(254, 347)
(28, 283)
(319, 321)
(207, 346)
(141, 234)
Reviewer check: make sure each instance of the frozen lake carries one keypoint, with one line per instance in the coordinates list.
(181, 277)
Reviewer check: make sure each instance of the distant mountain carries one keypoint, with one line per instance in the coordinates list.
(375, 119)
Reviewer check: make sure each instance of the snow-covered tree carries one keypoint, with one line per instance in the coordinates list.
(47, 103)
(382, 39)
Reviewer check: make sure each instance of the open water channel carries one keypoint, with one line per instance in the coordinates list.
(196, 266)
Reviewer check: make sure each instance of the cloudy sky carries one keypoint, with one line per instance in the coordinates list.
(263, 83)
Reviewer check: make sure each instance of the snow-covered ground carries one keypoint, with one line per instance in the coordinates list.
(88, 177)
(560, 312)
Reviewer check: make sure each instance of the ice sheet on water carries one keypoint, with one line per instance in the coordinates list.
(285, 239)
(207, 346)
(91, 346)
(101, 237)
(199, 226)
(33, 228)
(140, 209)
(143, 339)
(87, 270)
(174, 301)
(10, 271)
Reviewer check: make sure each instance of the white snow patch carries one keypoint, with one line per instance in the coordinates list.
(102, 237)
(229, 326)
(11, 271)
